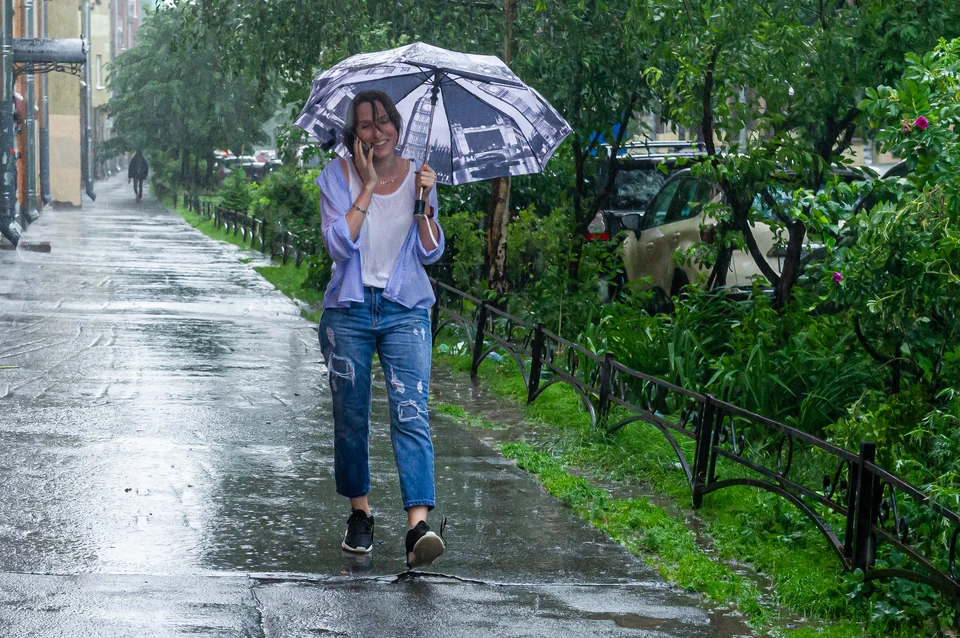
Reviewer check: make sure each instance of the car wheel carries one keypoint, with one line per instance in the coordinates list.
(680, 280)
(661, 302)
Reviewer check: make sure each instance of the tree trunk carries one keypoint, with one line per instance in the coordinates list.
(576, 246)
(498, 212)
(498, 217)
(791, 264)
(184, 166)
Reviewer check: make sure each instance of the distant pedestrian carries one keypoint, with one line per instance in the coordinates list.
(378, 301)
(138, 172)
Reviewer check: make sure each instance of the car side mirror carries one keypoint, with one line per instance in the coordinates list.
(631, 222)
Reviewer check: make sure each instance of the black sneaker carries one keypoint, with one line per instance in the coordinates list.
(423, 546)
(359, 536)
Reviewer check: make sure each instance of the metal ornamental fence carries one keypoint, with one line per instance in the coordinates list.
(855, 504)
(282, 244)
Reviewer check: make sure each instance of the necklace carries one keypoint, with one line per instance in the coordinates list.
(385, 182)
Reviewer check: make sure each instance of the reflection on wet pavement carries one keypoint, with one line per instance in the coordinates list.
(166, 419)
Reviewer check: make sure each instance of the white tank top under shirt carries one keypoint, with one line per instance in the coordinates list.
(385, 228)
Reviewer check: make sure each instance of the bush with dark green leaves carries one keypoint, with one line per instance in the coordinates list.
(234, 193)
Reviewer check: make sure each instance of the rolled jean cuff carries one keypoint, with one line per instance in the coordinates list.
(361, 494)
(429, 504)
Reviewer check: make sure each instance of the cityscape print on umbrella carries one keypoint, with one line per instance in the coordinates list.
(486, 122)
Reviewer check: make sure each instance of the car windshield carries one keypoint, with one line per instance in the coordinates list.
(633, 189)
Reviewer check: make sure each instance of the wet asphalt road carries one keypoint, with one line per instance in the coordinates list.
(166, 468)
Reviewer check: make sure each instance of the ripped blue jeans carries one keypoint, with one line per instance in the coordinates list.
(401, 337)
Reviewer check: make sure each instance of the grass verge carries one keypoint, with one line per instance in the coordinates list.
(808, 596)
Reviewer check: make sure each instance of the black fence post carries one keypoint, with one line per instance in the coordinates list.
(536, 362)
(606, 380)
(478, 344)
(853, 489)
(701, 459)
(864, 542)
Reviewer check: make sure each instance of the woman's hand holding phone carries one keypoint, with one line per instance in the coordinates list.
(363, 162)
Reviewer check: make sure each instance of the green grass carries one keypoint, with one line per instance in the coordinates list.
(460, 415)
(740, 524)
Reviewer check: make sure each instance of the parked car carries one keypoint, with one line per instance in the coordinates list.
(643, 167)
(675, 220)
(265, 155)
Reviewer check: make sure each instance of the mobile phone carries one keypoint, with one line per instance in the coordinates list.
(366, 149)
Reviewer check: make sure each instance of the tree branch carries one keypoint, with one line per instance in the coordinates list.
(757, 255)
(876, 356)
(612, 164)
(706, 123)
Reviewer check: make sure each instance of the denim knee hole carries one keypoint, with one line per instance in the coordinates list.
(409, 411)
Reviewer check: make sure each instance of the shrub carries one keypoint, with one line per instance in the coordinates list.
(234, 193)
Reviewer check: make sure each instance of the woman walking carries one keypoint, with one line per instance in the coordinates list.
(378, 301)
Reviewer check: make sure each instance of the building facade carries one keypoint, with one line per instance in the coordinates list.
(113, 27)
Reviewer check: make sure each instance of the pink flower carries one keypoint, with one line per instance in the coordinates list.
(837, 276)
(921, 123)
(906, 127)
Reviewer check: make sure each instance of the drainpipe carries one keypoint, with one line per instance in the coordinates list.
(9, 227)
(29, 110)
(44, 119)
(88, 105)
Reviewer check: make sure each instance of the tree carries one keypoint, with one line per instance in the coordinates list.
(591, 67)
(178, 101)
(777, 82)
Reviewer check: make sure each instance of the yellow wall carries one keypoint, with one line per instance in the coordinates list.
(64, 21)
(65, 177)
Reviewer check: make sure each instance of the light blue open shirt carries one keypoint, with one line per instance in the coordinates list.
(407, 285)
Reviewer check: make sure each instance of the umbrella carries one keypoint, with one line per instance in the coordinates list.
(469, 116)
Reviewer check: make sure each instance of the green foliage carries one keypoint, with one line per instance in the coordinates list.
(164, 174)
(178, 101)
(899, 275)
(730, 70)
(235, 193)
(465, 249)
(289, 198)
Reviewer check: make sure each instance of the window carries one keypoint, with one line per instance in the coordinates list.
(657, 214)
(690, 203)
(99, 71)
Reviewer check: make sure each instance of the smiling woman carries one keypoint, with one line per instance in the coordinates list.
(378, 301)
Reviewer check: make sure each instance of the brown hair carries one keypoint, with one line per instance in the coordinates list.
(370, 97)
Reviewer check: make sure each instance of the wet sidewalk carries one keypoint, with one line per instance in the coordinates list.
(166, 468)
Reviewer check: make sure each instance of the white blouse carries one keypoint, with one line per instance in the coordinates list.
(385, 228)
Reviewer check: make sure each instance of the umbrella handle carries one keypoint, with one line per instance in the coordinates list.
(419, 212)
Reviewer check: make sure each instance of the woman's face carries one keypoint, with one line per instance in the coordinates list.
(375, 129)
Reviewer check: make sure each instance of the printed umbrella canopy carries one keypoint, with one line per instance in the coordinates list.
(469, 116)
